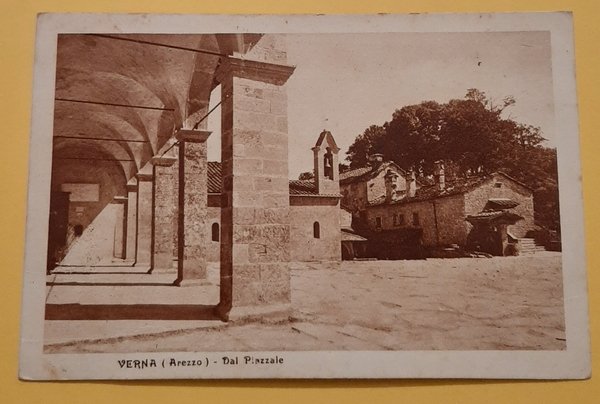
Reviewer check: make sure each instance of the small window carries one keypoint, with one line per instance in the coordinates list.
(78, 230)
(215, 232)
(415, 218)
(498, 185)
(378, 222)
(316, 230)
(398, 219)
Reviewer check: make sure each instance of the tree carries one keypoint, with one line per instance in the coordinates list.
(473, 138)
(364, 145)
(307, 175)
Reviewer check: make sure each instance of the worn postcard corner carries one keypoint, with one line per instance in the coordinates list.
(375, 196)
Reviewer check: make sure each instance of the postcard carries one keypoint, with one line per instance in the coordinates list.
(304, 196)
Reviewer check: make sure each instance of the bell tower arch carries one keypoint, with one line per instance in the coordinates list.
(326, 165)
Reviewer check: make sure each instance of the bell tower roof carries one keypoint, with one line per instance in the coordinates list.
(327, 138)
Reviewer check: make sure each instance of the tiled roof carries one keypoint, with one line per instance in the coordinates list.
(348, 235)
(297, 187)
(302, 187)
(367, 172)
(494, 215)
(349, 175)
(307, 188)
(452, 187)
(502, 203)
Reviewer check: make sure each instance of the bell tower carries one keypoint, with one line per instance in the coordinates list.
(326, 166)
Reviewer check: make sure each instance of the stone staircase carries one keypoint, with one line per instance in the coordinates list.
(529, 246)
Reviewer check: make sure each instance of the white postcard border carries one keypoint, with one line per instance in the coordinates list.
(574, 362)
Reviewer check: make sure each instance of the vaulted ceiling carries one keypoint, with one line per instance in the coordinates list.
(121, 97)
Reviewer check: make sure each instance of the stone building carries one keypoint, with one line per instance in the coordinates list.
(400, 213)
(131, 184)
(314, 209)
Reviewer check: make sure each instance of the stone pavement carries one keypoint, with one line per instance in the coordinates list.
(445, 304)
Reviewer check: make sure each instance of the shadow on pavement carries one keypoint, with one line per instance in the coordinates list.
(130, 312)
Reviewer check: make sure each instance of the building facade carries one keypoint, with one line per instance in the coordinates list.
(438, 214)
(314, 213)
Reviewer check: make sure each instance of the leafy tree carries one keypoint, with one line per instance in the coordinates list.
(472, 137)
(307, 175)
(365, 145)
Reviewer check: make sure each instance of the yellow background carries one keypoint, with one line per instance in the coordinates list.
(17, 31)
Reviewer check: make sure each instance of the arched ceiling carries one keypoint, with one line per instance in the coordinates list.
(129, 95)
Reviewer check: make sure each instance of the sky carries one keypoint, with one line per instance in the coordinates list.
(346, 82)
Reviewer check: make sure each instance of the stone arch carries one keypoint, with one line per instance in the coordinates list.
(65, 149)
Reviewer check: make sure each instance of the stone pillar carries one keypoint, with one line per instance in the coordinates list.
(144, 218)
(131, 229)
(120, 226)
(191, 214)
(163, 211)
(255, 227)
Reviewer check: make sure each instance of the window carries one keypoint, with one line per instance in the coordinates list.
(398, 219)
(415, 218)
(215, 232)
(316, 230)
(498, 185)
(378, 222)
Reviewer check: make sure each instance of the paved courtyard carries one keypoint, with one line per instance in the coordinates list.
(435, 304)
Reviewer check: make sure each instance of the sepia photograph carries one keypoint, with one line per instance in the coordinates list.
(245, 200)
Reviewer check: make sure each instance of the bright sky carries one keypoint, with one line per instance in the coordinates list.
(347, 82)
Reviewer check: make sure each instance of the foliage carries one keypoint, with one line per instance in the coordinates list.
(472, 137)
(307, 175)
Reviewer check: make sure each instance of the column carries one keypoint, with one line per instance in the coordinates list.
(120, 223)
(191, 213)
(131, 230)
(144, 218)
(255, 235)
(163, 211)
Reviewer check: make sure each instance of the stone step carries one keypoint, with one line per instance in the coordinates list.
(529, 246)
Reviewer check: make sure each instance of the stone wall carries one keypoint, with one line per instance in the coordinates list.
(354, 195)
(476, 200)
(110, 178)
(376, 186)
(357, 195)
(450, 212)
(442, 220)
(108, 175)
(304, 212)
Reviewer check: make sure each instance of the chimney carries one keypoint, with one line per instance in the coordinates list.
(376, 159)
(411, 184)
(390, 186)
(438, 174)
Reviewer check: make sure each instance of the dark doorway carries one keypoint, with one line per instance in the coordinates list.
(58, 226)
